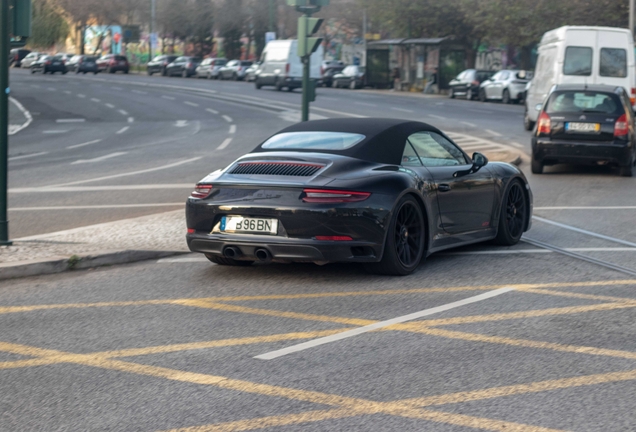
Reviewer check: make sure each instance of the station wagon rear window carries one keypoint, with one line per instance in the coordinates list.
(584, 102)
(313, 141)
(578, 61)
(613, 62)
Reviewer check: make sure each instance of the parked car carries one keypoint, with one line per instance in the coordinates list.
(331, 63)
(234, 70)
(30, 59)
(16, 56)
(352, 76)
(585, 124)
(281, 67)
(49, 64)
(82, 64)
(209, 68)
(581, 55)
(183, 66)
(252, 72)
(467, 83)
(506, 85)
(65, 57)
(113, 63)
(328, 73)
(159, 64)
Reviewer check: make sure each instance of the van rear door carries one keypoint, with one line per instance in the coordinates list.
(616, 60)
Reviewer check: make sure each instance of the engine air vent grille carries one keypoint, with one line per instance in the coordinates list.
(298, 169)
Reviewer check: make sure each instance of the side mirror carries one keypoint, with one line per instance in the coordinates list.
(538, 107)
(479, 161)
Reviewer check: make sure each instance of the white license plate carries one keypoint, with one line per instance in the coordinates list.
(240, 224)
(582, 127)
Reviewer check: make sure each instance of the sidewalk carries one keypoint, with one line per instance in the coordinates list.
(389, 92)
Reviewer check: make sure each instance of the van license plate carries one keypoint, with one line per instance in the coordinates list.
(582, 127)
(240, 224)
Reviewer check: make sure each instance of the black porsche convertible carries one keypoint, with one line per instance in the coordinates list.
(384, 192)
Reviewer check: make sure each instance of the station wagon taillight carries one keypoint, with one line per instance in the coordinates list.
(621, 127)
(544, 124)
(324, 196)
(201, 191)
(632, 99)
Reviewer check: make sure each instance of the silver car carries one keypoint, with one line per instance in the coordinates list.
(252, 72)
(30, 59)
(506, 85)
(234, 70)
(210, 67)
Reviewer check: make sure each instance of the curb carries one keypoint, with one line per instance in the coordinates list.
(55, 265)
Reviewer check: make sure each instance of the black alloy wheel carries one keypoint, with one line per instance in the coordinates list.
(527, 123)
(514, 215)
(505, 98)
(405, 243)
(227, 261)
(451, 93)
(482, 95)
(469, 93)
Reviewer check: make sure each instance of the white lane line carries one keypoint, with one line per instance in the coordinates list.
(123, 112)
(54, 131)
(96, 100)
(437, 117)
(401, 109)
(131, 119)
(191, 103)
(76, 120)
(516, 144)
(492, 132)
(139, 92)
(210, 110)
(588, 208)
(84, 144)
(68, 92)
(582, 231)
(469, 124)
(224, 144)
(51, 89)
(27, 156)
(81, 96)
(122, 130)
(233, 129)
(359, 103)
(168, 97)
(144, 171)
(99, 159)
(182, 186)
(185, 259)
(227, 119)
(110, 105)
(29, 118)
(539, 251)
(96, 207)
(360, 330)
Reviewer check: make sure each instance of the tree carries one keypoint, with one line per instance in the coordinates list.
(49, 25)
(232, 25)
(202, 25)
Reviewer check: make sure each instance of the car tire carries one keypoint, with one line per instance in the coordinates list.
(536, 166)
(290, 89)
(505, 97)
(482, 95)
(32, 71)
(278, 85)
(149, 72)
(164, 72)
(527, 123)
(96, 72)
(513, 217)
(353, 85)
(234, 77)
(402, 255)
(228, 261)
(257, 84)
(469, 94)
(184, 74)
(451, 93)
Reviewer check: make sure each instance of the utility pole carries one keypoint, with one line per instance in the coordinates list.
(271, 15)
(4, 121)
(307, 26)
(153, 13)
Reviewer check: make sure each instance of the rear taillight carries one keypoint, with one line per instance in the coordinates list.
(48, 62)
(240, 68)
(544, 124)
(191, 230)
(201, 191)
(189, 65)
(333, 238)
(632, 99)
(333, 196)
(621, 127)
(475, 83)
(322, 71)
(287, 69)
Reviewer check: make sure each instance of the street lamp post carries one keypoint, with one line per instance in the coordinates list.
(153, 13)
(4, 121)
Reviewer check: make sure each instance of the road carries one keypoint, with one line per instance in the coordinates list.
(171, 344)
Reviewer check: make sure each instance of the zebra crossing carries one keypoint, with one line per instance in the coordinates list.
(470, 143)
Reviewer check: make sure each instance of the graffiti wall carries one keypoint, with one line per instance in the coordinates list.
(103, 39)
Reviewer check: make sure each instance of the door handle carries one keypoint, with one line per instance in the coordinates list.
(443, 188)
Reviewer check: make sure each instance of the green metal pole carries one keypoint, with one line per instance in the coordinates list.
(4, 121)
(305, 101)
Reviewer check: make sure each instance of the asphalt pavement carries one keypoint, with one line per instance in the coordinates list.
(171, 343)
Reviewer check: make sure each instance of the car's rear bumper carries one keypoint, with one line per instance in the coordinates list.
(561, 151)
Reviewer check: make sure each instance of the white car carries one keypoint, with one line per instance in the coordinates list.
(506, 85)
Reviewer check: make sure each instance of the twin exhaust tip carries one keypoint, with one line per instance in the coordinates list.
(261, 254)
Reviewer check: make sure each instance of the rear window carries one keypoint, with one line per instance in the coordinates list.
(578, 61)
(483, 76)
(584, 102)
(220, 62)
(89, 58)
(313, 141)
(246, 63)
(120, 58)
(613, 62)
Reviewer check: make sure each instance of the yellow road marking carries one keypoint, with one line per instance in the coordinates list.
(579, 295)
(33, 308)
(26, 363)
(473, 337)
(526, 314)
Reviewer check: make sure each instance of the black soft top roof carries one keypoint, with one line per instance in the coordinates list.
(384, 142)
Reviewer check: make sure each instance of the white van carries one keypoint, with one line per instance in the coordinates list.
(581, 55)
(282, 68)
